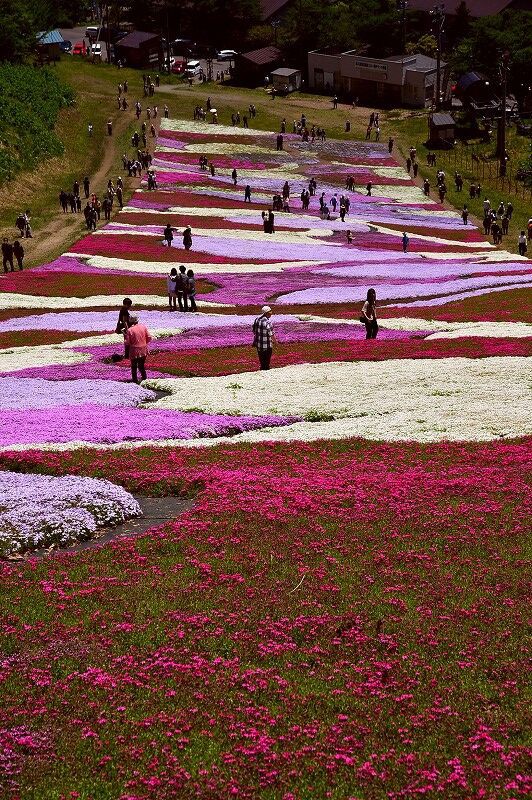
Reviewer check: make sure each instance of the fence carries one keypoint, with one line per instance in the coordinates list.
(476, 167)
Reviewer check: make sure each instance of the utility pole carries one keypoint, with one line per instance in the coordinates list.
(438, 19)
(501, 137)
(402, 6)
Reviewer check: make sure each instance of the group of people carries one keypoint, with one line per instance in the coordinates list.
(496, 220)
(373, 125)
(181, 286)
(168, 236)
(23, 223)
(10, 252)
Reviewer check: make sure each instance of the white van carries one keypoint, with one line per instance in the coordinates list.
(193, 68)
(92, 32)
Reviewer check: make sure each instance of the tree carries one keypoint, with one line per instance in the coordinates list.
(20, 24)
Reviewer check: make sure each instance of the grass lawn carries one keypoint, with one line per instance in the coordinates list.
(410, 128)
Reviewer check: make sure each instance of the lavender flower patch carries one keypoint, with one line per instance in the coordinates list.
(106, 321)
(41, 510)
(349, 294)
(34, 393)
(94, 424)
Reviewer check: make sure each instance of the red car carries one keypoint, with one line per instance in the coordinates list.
(80, 49)
(179, 66)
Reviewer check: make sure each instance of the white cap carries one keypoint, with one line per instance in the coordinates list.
(265, 309)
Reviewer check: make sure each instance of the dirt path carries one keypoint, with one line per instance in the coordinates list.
(57, 235)
(156, 511)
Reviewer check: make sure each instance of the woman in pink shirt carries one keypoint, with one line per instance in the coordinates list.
(138, 337)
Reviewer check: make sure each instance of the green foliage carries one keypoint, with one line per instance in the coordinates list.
(426, 45)
(487, 38)
(31, 99)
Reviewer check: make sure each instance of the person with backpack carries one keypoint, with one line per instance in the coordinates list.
(263, 337)
(182, 288)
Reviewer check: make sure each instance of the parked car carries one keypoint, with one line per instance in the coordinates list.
(65, 46)
(179, 66)
(80, 49)
(96, 49)
(92, 32)
(193, 68)
(226, 55)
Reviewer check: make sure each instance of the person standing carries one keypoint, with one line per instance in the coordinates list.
(182, 288)
(234, 176)
(124, 321)
(138, 337)
(263, 337)
(171, 285)
(247, 194)
(405, 240)
(368, 189)
(18, 252)
(465, 214)
(191, 290)
(369, 315)
(187, 238)
(168, 234)
(390, 144)
(521, 244)
(86, 187)
(109, 127)
(7, 255)
(166, 112)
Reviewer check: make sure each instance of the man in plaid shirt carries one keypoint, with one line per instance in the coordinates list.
(263, 337)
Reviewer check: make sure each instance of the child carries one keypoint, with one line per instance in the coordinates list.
(349, 237)
(191, 290)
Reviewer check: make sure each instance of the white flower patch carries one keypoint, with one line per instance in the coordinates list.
(16, 359)
(29, 301)
(440, 328)
(400, 193)
(42, 510)
(418, 399)
(161, 267)
(189, 126)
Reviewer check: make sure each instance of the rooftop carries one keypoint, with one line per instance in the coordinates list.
(270, 7)
(137, 38)
(477, 8)
(285, 72)
(49, 37)
(264, 55)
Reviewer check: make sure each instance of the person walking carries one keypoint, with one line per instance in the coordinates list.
(86, 187)
(171, 285)
(368, 189)
(109, 127)
(521, 244)
(7, 254)
(465, 214)
(18, 252)
(247, 194)
(191, 290)
(138, 338)
(369, 315)
(263, 337)
(234, 176)
(405, 240)
(187, 238)
(124, 321)
(390, 144)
